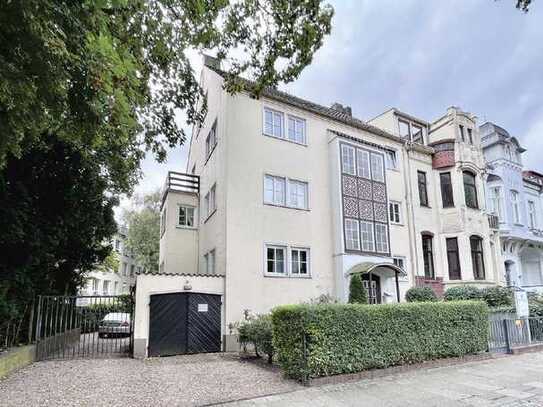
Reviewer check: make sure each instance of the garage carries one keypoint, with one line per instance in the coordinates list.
(185, 322)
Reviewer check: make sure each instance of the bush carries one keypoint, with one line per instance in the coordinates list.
(357, 292)
(464, 292)
(497, 296)
(323, 340)
(420, 294)
(257, 331)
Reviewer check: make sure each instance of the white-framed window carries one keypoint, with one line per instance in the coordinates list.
(297, 192)
(115, 287)
(496, 202)
(210, 201)
(347, 160)
(403, 128)
(392, 163)
(352, 236)
(366, 234)
(273, 123)
(125, 288)
(163, 221)
(299, 262)
(381, 238)
(125, 266)
(274, 190)
(209, 261)
(417, 133)
(276, 260)
(185, 216)
(399, 262)
(395, 212)
(95, 285)
(516, 208)
(377, 171)
(211, 139)
(105, 287)
(296, 129)
(117, 245)
(532, 214)
(363, 163)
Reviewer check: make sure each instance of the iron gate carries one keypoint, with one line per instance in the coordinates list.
(506, 334)
(69, 327)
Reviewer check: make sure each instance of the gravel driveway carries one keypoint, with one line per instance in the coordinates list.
(175, 381)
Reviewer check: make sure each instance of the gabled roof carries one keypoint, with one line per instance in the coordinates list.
(315, 108)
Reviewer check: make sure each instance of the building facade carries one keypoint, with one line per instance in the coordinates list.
(283, 200)
(114, 282)
(515, 198)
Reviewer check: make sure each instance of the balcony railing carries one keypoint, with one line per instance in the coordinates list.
(180, 182)
(493, 221)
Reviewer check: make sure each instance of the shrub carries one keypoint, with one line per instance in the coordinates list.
(497, 296)
(257, 331)
(465, 292)
(420, 294)
(357, 292)
(323, 340)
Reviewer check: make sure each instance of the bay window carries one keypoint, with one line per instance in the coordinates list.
(352, 237)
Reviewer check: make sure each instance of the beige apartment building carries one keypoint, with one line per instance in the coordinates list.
(284, 199)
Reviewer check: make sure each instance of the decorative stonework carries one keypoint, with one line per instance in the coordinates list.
(350, 207)
(349, 185)
(379, 192)
(366, 209)
(364, 189)
(380, 210)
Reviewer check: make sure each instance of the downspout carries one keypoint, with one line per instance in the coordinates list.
(411, 213)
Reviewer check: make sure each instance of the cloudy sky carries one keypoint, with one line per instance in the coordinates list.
(422, 56)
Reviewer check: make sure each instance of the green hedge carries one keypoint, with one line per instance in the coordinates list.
(420, 294)
(323, 340)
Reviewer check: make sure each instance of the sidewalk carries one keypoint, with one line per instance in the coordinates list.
(511, 381)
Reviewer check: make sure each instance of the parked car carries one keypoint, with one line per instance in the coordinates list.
(115, 324)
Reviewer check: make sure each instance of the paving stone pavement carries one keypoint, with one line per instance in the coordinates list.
(509, 381)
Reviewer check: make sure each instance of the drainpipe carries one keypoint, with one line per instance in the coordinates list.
(413, 252)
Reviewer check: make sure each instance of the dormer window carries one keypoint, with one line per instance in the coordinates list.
(411, 131)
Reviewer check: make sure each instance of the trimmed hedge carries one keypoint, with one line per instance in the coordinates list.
(257, 332)
(420, 294)
(323, 340)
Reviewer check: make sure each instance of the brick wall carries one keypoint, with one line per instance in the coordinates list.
(435, 284)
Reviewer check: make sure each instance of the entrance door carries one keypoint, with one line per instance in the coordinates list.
(373, 288)
(184, 323)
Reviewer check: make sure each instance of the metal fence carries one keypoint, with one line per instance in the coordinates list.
(506, 334)
(83, 326)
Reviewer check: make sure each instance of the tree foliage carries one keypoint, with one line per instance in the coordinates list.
(143, 222)
(110, 263)
(357, 292)
(54, 219)
(111, 75)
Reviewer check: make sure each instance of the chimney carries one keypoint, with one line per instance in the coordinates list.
(346, 110)
(211, 62)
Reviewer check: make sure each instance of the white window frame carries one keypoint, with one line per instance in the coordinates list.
(297, 185)
(95, 285)
(211, 139)
(296, 273)
(363, 163)
(515, 204)
(367, 237)
(163, 221)
(194, 217)
(347, 168)
(288, 185)
(115, 287)
(352, 230)
(274, 113)
(376, 162)
(381, 246)
(105, 287)
(275, 198)
(496, 202)
(298, 121)
(397, 211)
(391, 159)
(210, 262)
(211, 201)
(532, 214)
(276, 247)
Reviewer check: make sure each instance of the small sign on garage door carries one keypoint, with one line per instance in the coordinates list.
(202, 307)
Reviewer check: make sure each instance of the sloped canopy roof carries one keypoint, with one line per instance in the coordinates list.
(366, 267)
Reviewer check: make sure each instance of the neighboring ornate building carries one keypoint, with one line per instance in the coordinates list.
(114, 282)
(515, 197)
(284, 199)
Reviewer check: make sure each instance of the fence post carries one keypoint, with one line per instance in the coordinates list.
(38, 327)
(506, 333)
(31, 322)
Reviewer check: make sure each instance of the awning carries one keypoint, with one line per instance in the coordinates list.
(367, 267)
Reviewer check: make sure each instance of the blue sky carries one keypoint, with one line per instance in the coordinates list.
(422, 56)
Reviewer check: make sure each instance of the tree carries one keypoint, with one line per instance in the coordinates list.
(54, 220)
(110, 263)
(143, 222)
(357, 292)
(110, 75)
(524, 5)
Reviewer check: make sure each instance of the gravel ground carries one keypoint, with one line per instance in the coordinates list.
(175, 381)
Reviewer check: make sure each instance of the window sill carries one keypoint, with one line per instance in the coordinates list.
(397, 224)
(425, 206)
(186, 227)
(210, 215)
(394, 169)
(287, 207)
(285, 139)
(276, 275)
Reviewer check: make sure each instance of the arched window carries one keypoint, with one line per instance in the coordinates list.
(470, 190)
(477, 258)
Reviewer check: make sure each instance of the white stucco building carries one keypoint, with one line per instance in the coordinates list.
(283, 199)
(515, 197)
(114, 282)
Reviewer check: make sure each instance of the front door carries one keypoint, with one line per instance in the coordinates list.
(372, 287)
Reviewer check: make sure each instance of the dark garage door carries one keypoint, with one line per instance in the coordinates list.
(184, 323)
